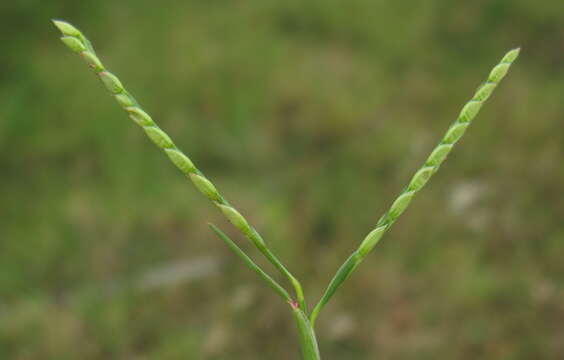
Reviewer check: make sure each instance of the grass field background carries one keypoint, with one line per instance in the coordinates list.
(310, 116)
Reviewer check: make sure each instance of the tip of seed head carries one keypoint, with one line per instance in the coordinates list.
(512, 55)
(66, 28)
(59, 23)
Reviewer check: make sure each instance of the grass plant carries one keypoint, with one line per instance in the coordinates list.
(305, 320)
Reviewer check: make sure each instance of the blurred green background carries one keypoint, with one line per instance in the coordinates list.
(310, 116)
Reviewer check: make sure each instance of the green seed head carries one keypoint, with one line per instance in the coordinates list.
(498, 72)
(92, 61)
(123, 100)
(399, 206)
(420, 178)
(159, 137)
(511, 55)
(371, 240)
(67, 29)
(73, 43)
(454, 133)
(235, 218)
(139, 116)
(205, 186)
(111, 82)
(469, 111)
(484, 91)
(181, 161)
(438, 155)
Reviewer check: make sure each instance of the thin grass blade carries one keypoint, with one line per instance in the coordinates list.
(251, 264)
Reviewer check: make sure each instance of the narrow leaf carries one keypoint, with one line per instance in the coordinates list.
(251, 264)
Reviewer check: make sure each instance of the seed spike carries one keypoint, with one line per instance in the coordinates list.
(421, 177)
(79, 43)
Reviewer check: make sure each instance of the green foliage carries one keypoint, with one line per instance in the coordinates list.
(311, 117)
(305, 324)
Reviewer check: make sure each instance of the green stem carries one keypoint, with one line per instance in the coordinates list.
(308, 341)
